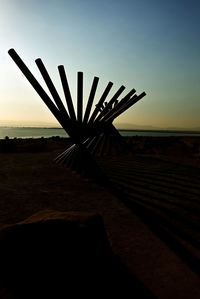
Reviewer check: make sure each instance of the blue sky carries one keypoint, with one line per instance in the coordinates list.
(150, 45)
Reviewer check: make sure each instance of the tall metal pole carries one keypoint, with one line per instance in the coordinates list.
(91, 99)
(110, 103)
(80, 97)
(52, 88)
(99, 104)
(36, 85)
(67, 93)
(119, 104)
(125, 107)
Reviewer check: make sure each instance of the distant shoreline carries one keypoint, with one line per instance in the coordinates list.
(47, 132)
(122, 130)
(161, 131)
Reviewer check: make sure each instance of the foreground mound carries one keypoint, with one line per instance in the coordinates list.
(60, 255)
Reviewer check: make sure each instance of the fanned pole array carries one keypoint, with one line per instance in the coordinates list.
(93, 132)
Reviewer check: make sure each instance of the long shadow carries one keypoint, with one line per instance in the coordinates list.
(179, 232)
(163, 229)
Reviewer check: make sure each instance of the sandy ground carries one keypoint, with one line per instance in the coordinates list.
(30, 181)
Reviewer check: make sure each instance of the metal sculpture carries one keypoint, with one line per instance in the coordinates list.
(90, 132)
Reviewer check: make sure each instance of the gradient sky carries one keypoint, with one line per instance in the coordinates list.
(151, 45)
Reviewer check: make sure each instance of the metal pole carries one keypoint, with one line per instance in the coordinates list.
(110, 103)
(125, 107)
(80, 97)
(67, 93)
(91, 99)
(65, 123)
(119, 104)
(99, 104)
(38, 88)
(52, 88)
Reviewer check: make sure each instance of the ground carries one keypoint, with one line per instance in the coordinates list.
(31, 181)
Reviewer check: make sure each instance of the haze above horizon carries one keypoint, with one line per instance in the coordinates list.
(149, 45)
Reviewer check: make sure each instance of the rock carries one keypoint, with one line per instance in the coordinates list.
(61, 254)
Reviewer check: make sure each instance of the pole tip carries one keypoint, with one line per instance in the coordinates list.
(60, 66)
(11, 51)
(38, 60)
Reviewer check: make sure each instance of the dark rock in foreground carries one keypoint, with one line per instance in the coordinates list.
(63, 255)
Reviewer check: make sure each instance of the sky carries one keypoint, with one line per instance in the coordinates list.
(149, 45)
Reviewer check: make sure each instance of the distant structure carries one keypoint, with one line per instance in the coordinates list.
(93, 132)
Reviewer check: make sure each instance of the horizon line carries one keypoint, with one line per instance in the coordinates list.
(196, 130)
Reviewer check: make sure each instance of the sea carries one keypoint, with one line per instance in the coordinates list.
(38, 132)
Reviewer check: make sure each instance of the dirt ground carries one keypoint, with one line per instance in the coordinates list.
(30, 181)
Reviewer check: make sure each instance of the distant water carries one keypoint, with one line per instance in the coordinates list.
(26, 132)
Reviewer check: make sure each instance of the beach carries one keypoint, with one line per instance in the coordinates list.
(31, 182)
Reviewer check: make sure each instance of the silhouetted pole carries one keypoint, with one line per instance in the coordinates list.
(125, 107)
(67, 93)
(119, 104)
(80, 97)
(91, 99)
(65, 122)
(110, 103)
(52, 88)
(36, 85)
(99, 104)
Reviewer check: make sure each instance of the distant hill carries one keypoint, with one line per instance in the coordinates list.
(183, 129)
(128, 126)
